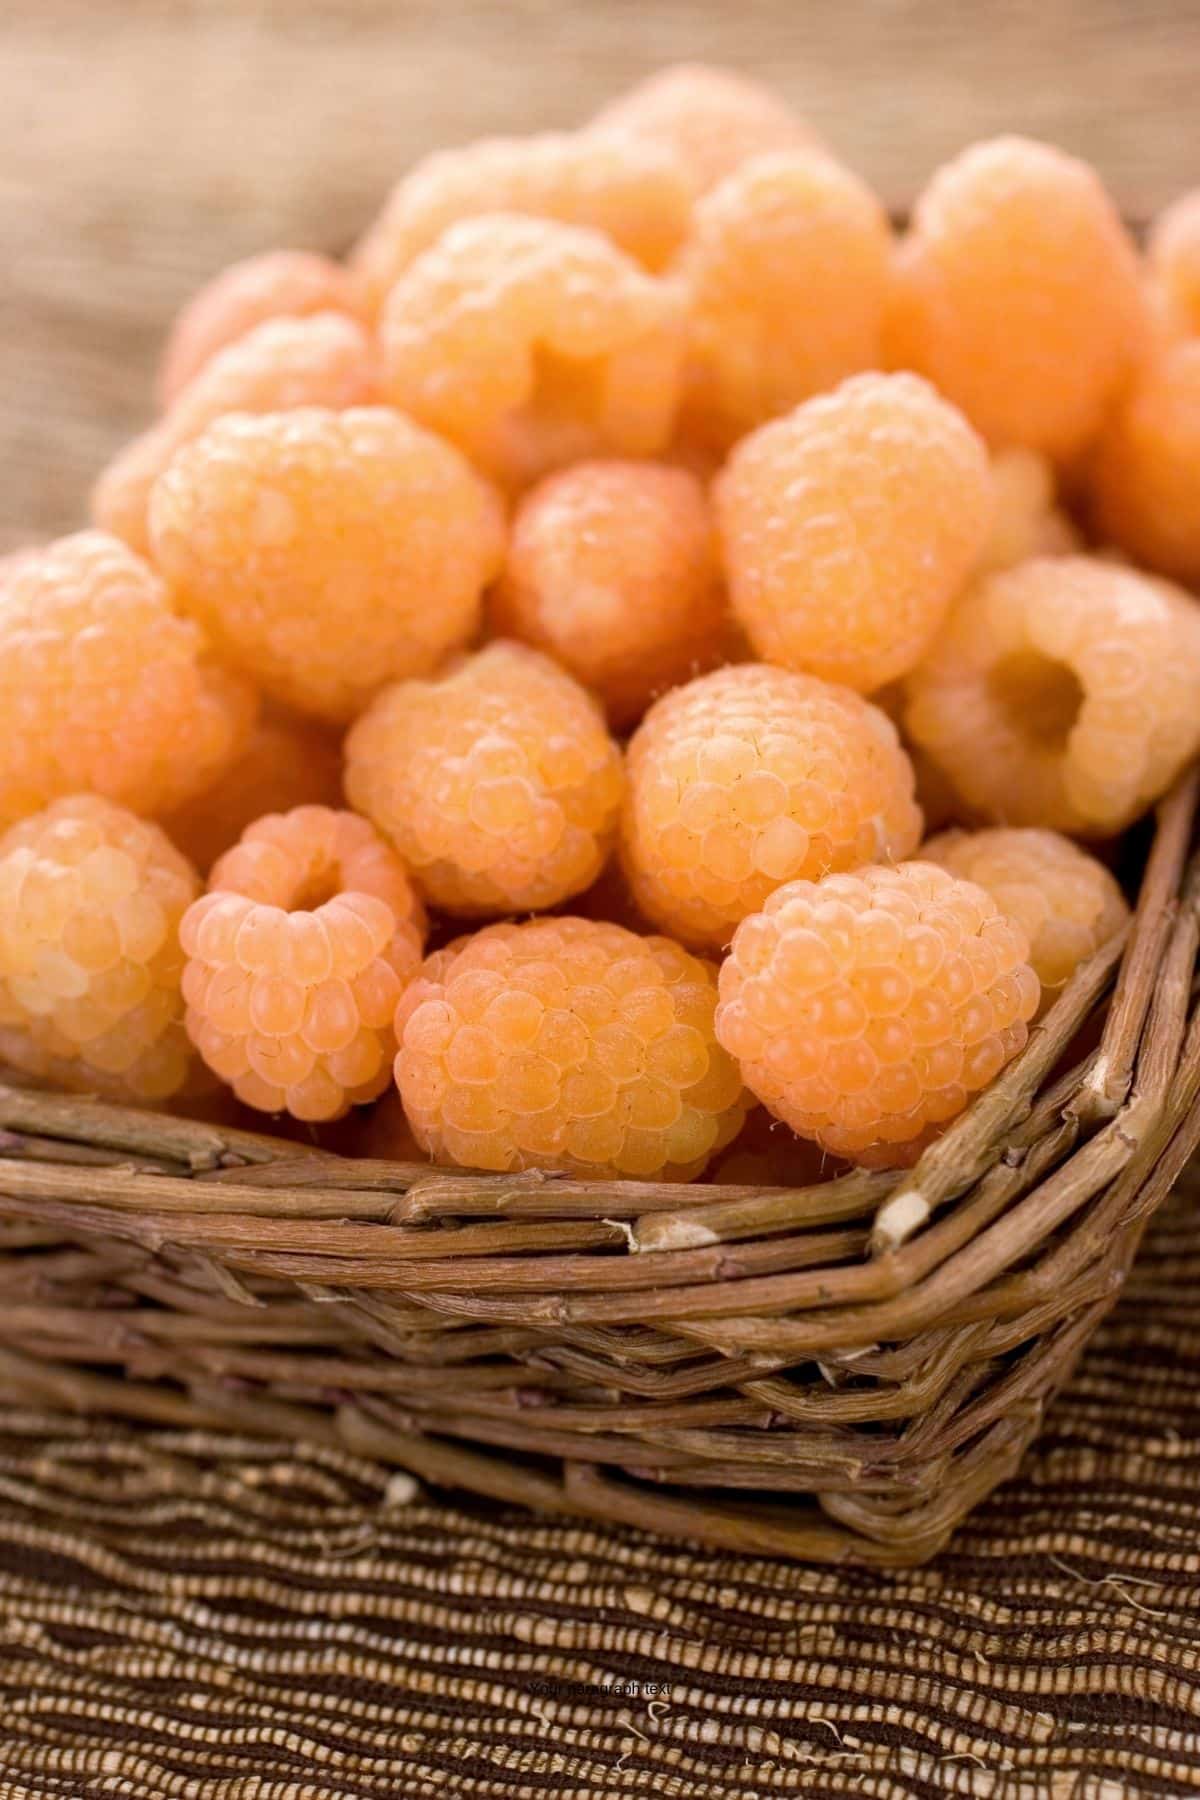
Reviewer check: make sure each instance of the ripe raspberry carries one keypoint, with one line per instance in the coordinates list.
(286, 763)
(750, 777)
(496, 781)
(278, 284)
(712, 119)
(1062, 693)
(298, 955)
(565, 1044)
(786, 273)
(634, 193)
(327, 552)
(612, 568)
(1026, 519)
(1066, 903)
(866, 1009)
(850, 525)
(324, 360)
(531, 344)
(90, 903)
(1173, 256)
(1018, 294)
(1145, 474)
(102, 688)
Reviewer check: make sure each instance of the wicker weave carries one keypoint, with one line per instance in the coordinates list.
(836, 1373)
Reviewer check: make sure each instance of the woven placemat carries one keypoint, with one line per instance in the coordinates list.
(187, 1614)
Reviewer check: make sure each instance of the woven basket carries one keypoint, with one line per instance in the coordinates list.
(836, 1373)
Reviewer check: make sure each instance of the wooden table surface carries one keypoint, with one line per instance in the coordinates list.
(143, 143)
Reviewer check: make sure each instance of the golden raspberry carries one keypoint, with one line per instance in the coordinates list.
(786, 274)
(327, 552)
(286, 762)
(90, 903)
(567, 1044)
(1066, 903)
(1145, 474)
(1026, 520)
(531, 344)
(865, 1010)
(1173, 257)
(634, 193)
(297, 957)
(278, 284)
(850, 525)
(496, 781)
(102, 688)
(752, 776)
(612, 567)
(324, 360)
(1017, 292)
(711, 119)
(1062, 693)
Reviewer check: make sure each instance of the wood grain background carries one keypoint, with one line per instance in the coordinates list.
(143, 143)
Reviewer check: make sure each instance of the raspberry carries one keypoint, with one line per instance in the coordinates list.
(323, 360)
(750, 777)
(711, 119)
(496, 781)
(1062, 693)
(278, 284)
(1145, 474)
(865, 1010)
(1173, 256)
(634, 193)
(103, 688)
(327, 552)
(612, 568)
(298, 955)
(1018, 294)
(1066, 903)
(90, 903)
(786, 274)
(1026, 521)
(850, 525)
(531, 344)
(567, 1044)
(286, 763)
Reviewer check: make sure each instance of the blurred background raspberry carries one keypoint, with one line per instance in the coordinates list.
(146, 143)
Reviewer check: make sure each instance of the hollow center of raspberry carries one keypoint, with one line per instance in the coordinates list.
(319, 883)
(1039, 697)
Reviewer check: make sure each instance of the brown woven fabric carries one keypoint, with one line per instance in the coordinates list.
(184, 1614)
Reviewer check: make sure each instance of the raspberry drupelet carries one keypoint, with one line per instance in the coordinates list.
(1065, 901)
(1026, 520)
(324, 360)
(864, 1010)
(567, 1044)
(287, 762)
(633, 192)
(496, 780)
(103, 689)
(711, 119)
(1062, 693)
(1145, 472)
(90, 903)
(849, 526)
(297, 957)
(531, 344)
(1018, 294)
(327, 552)
(612, 568)
(1173, 261)
(274, 285)
(750, 777)
(786, 272)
